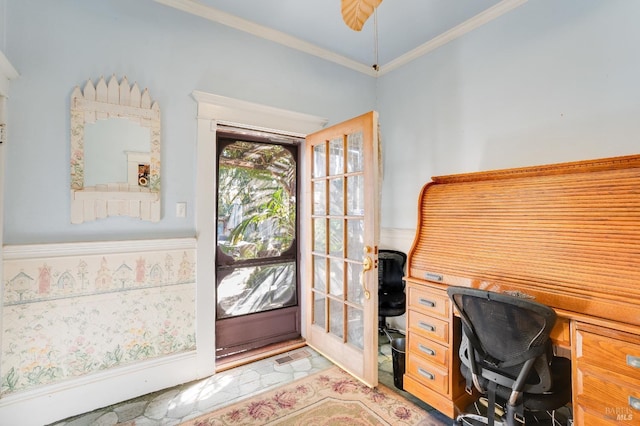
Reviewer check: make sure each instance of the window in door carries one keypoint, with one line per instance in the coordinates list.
(257, 244)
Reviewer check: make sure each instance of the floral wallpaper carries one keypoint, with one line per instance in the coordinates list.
(70, 316)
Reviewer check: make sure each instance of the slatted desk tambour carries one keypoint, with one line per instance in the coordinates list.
(565, 234)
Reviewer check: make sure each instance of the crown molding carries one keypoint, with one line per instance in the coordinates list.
(235, 22)
(469, 25)
(215, 15)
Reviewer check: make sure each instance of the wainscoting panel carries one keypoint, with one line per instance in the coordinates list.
(72, 310)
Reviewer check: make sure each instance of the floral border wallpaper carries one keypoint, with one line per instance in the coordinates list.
(70, 316)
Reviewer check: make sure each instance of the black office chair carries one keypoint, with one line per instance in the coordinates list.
(392, 301)
(506, 354)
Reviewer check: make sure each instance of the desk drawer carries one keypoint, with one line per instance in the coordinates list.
(605, 399)
(609, 353)
(428, 349)
(581, 416)
(429, 327)
(428, 374)
(428, 301)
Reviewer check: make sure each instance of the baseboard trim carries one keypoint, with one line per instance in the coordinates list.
(58, 401)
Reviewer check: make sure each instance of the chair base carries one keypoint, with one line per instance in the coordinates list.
(558, 417)
(383, 328)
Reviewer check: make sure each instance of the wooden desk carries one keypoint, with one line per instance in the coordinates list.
(567, 235)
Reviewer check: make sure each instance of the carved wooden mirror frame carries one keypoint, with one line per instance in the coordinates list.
(100, 102)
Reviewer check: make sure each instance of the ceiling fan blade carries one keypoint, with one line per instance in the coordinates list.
(356, 12)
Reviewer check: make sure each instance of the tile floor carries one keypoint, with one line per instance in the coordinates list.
(175, 405)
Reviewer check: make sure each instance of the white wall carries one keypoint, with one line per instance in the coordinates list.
(58, 46)
(549, 82)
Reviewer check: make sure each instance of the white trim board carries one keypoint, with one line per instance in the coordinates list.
(279, 37)
(33, 251)
(236, 112)
(284, 39)
(59, 401)
(469, 25)
(212, 111)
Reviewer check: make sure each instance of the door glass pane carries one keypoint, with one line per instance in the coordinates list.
(319, 160)
(336, 283)
(355, 327)
(336, 318)
(319, 274)
(336, 237)
(319, 197)
(336, 157)
(355, 195)
(336, 196)
(320, 235)
(257, 289)
(355, 239)
(319, 310)
(256, 200)
(355, 152)
(355, 293)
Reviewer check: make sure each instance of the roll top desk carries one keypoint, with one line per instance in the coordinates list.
(566, 235)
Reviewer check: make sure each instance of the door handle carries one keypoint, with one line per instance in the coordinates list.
(367, 264)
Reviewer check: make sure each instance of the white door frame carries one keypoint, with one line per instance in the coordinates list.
(214, 110)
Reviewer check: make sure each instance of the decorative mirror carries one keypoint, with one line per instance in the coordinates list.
(115, 152)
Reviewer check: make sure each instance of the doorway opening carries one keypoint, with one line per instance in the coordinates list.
(257, 271)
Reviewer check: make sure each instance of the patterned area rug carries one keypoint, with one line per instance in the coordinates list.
(331, 397)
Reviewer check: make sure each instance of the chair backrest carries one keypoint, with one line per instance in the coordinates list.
(504, 331)
(391, 265)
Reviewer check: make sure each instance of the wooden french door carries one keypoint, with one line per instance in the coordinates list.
(342, 284)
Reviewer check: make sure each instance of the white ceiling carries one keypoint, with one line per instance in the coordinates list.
(406, 29)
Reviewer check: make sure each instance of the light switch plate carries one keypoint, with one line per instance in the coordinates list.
(181, 209)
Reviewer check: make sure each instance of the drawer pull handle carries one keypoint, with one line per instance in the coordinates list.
(426, 326)
(428, 303)
(426, 374)
(634, 403)
(433, 277)
(633, 361)
(426, 350)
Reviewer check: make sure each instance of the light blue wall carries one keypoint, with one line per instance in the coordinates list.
(3, 23)
(552, 81)
(549, 82)
(56, 46)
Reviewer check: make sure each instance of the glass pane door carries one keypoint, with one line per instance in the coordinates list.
(342, 322)
(256, 261)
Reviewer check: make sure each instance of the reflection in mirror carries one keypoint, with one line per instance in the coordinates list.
(115, 152)
(107, 145)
